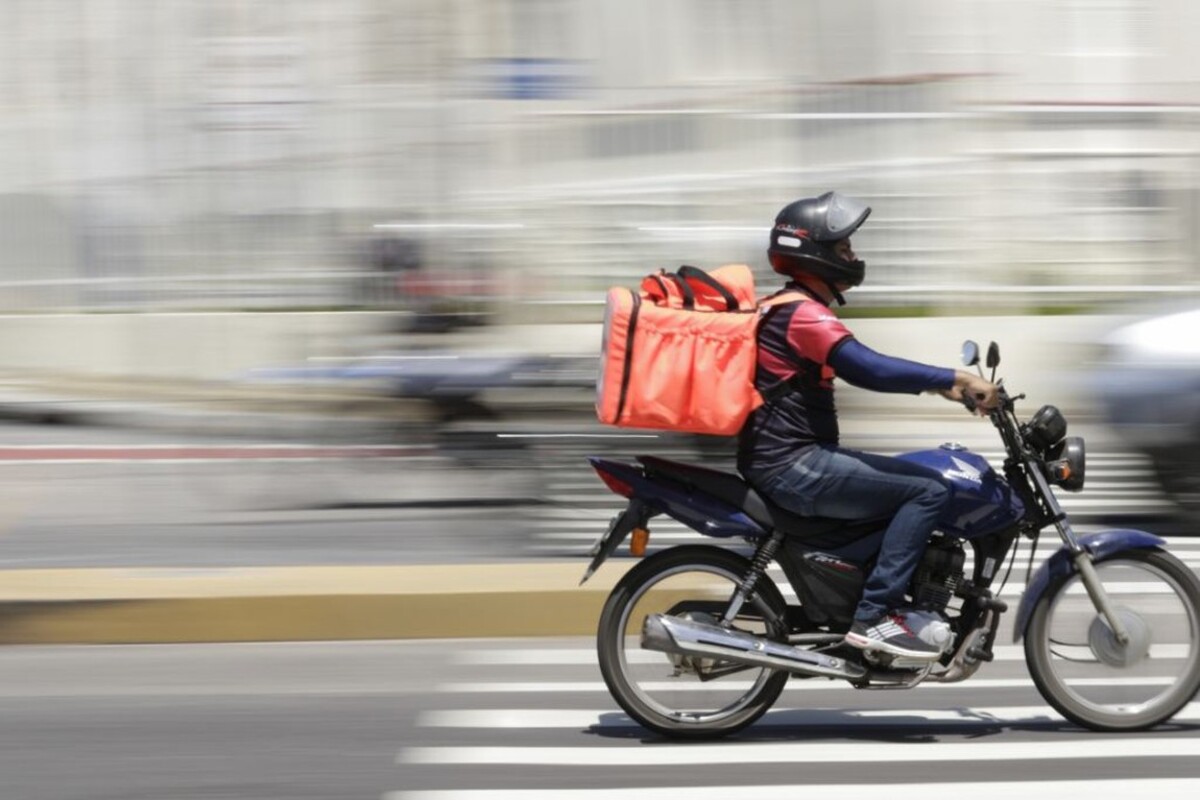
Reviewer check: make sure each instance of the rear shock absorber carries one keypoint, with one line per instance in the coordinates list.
(763, 556)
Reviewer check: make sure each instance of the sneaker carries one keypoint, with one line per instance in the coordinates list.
(890, 634)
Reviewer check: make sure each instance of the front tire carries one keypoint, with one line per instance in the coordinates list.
(1095, 681)
(665, 692)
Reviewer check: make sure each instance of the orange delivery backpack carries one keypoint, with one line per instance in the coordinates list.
(680, 354)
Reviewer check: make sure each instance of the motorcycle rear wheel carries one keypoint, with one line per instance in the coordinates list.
(665, 692)
(1091, 679)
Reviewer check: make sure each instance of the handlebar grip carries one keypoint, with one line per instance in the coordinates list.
(969, 402)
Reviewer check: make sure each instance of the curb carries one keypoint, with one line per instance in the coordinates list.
(161, 606)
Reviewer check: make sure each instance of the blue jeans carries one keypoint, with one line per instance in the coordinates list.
(828, 481)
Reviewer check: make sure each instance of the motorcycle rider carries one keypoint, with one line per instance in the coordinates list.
(788, 448)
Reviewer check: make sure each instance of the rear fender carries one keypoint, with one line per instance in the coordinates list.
(699, 511)
(1060, 565)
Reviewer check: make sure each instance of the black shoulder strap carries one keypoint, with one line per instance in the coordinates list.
(780, 389)
(787, 385)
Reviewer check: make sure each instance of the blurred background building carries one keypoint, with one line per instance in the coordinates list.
(251, 154)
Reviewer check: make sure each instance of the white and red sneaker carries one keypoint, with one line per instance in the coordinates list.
(891, 634)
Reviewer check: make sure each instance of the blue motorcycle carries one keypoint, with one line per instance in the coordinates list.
(697, 641)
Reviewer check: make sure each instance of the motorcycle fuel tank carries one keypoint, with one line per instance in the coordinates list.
(983, 501)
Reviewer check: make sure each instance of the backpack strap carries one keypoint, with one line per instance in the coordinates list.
(779, 389)
(688, 272)
(780, 299)
(767, 308)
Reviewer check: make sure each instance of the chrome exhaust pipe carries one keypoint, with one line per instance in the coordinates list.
(668, 634)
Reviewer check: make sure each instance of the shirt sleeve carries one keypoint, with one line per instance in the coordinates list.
(814, 330)
(858, 364)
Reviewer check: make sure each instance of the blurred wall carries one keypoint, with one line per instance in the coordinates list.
(226, 154)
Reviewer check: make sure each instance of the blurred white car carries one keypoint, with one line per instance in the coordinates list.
(1149, 387)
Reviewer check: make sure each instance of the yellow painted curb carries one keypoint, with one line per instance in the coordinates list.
(93, 606)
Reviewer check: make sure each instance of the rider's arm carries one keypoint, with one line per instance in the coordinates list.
(858, 364)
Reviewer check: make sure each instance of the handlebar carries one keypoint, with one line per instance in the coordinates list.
(1006, 402)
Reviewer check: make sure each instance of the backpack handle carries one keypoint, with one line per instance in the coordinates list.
(688, 272)
(670, 288)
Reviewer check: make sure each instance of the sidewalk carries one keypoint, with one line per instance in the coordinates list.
(124, 606)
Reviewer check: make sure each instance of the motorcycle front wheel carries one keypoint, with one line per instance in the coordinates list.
(1100, 683)
(685, 696)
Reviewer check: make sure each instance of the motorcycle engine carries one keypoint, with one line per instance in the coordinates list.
(939, 574)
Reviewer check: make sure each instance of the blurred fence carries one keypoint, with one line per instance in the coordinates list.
(1018, 227)
(513, 160)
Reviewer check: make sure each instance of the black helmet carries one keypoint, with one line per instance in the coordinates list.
(805, 232)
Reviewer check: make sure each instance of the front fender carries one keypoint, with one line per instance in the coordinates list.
(1059, 565)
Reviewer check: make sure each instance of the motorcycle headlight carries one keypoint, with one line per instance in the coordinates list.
(1066, 464)
(1046, 429)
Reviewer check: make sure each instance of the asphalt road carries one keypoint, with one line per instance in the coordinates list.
(484, 720)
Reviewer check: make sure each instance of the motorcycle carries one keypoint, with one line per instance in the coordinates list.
(697, 641)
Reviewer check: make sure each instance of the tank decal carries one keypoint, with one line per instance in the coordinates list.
(983, 502)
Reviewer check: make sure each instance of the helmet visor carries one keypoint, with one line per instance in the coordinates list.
(843, 216)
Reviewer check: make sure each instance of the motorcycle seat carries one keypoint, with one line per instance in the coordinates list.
(735, 491)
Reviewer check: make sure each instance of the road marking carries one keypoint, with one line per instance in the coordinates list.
(577, 719)
(516, 687)
(610, 718)
(1158, 788)
(807, 752)
(584, 656)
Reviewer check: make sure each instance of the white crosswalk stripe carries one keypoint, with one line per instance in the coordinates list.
(587, 656)
(1158, 788)
(542, 743)
(518, 687)
(580, 719)
(804, 753)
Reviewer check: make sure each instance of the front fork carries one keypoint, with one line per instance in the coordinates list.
(1080, 557)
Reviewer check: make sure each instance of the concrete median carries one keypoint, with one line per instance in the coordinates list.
(121, 606)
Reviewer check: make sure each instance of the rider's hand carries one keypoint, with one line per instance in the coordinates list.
(984, 393)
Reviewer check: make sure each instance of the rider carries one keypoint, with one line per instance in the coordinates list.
(789, 449)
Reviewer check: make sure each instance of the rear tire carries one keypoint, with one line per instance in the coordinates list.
(663, 692)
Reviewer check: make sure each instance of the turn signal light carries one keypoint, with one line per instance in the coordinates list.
(638, 539)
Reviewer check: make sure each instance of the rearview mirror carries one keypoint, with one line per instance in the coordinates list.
(970, 353)
(993, 355)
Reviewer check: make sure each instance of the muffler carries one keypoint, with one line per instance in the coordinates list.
(677, 635)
